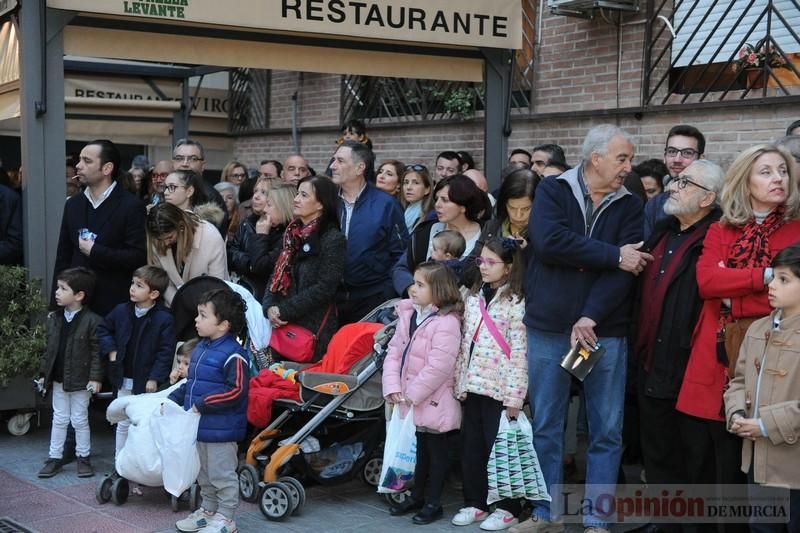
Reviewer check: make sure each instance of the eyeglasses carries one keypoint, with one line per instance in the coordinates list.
(161, 175)
(186, 158)
(239, 176)
(480, 261)
(686, 153)
(683, 181)
(417, 168)
(172, 187)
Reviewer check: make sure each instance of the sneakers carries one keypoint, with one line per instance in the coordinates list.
(468, 515)
(499, 520)
(195, 521)
(220, 524)
(51, 468)
(85, 467)
(537, 525)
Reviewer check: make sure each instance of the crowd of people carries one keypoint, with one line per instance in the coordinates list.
(685, 274)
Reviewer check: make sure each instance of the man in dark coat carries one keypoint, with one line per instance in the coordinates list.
(103, 228)
(10, 227)
(668, 308)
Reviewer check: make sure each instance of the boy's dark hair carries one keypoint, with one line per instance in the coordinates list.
(454, 243)
(155, 277)
(79, 279)
(354, 125)
(655, 168)
(510, 252)
(522, 151)
(789, 258)
(444, 286)
(109, 153)
(689, 131)
(228, 305)
(186, 348)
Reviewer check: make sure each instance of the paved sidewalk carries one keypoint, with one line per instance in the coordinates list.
(66, 503)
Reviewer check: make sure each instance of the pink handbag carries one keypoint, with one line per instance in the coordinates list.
(296, 343)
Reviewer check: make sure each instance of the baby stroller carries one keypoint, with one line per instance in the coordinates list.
(113, 487)
(340, 420)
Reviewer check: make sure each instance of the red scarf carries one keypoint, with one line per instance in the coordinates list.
(293, 238)
(751, 249)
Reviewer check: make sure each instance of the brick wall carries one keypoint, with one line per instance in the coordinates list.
(576, 72)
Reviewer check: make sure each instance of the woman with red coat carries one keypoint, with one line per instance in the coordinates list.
(761, 212)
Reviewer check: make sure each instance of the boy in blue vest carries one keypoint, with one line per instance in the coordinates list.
(216, 387)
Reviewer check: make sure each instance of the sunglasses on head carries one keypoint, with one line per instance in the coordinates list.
(417, 168)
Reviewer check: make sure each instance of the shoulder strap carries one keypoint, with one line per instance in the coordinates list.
(490, 325)
(324, 320)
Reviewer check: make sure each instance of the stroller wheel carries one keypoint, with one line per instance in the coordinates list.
(174, 503)
(395, 498)
(103, 491)
(371, 473)
(297, 492)
(194, 497)
(119, 491)
(248, 482)
(276, 501)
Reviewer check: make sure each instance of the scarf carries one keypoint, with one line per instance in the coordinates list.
(293, 238)
(412, 215)
(751, 249)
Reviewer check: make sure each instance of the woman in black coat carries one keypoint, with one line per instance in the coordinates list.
(254, 248)
(310, 267)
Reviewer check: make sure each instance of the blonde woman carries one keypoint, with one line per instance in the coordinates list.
(234, 173)
(255, 246)
(761, 207)
(184, 246)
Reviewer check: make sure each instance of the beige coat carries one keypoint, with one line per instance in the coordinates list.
(777, 457)
(206, 258)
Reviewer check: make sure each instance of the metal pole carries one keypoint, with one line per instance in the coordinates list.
(497, 81)
(42, 134)
(180, 118)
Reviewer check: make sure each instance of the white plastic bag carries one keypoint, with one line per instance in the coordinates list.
(139, 461)
(175, 435)
(513, 469)
(399, 453)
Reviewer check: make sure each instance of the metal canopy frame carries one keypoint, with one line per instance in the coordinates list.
(42, 103)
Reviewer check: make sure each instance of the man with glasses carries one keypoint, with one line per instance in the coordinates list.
(668, 309)
(190, 155)
(157, 179)
(685, 145)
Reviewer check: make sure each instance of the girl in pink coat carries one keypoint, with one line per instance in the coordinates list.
(419, 373)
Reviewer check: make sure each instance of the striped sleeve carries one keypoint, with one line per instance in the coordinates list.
(236, 382)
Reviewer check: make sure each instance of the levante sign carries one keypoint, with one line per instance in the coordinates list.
(484, 23)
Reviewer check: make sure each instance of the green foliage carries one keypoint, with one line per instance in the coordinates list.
(22, 324)
(463, 101)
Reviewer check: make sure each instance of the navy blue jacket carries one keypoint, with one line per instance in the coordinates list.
(654, 213)
(377, 238)
(156, 344)
(216, 385)
(10, 227)
(572, 274)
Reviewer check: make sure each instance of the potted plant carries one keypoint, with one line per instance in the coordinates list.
(23, 340)
(752, 60)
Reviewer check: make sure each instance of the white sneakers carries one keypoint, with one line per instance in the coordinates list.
(497, 521)
(468, 515)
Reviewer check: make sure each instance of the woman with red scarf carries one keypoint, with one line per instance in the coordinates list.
(310, 266)
(761, 208)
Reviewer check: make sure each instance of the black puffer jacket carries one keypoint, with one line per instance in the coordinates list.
(252, 256)
(82, 360)
(317, 272)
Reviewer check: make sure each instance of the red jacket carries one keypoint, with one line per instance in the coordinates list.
(705, 378)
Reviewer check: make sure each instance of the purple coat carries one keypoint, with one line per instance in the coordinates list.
(428, 373)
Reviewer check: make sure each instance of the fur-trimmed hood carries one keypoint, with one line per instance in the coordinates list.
(210, 212)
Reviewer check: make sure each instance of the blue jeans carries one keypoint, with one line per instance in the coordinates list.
(604, 391)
